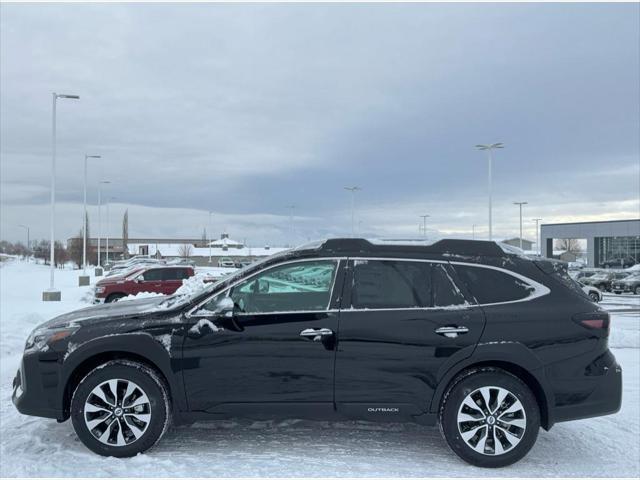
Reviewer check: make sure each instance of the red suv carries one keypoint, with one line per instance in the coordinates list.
(165, 280)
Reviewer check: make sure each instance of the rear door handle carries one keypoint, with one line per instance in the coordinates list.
(316, 334)
(451, 331)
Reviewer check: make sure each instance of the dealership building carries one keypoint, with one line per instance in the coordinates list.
(606, 241)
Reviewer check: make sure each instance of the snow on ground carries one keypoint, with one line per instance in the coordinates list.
(30, 446)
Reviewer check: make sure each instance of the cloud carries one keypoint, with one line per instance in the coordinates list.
(244, 109)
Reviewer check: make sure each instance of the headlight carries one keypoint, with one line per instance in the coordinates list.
(100, 289)
(41, 338)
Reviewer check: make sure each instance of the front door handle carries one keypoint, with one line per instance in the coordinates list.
(316, 334)
(451, 331)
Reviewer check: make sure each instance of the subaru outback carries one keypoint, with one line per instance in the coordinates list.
(486, 343)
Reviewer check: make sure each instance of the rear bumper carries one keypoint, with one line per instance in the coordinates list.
(604, 399)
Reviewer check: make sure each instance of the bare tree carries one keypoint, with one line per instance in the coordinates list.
(185, 250)
(570, 245)
(74, 250)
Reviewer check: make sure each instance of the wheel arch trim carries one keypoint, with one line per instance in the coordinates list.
(515, 358)
(139, 346)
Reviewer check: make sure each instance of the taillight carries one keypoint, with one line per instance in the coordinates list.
(594, 320)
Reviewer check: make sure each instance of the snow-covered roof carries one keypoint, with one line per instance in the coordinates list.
(226, 242)
(177, 249)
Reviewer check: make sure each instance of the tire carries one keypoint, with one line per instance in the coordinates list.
(114, 297)
(637, 290)
(107, 429)
(594, 297)
(520, 402)
(602, 288)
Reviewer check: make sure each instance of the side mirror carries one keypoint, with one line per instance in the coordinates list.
(263, 286)
(224, 306)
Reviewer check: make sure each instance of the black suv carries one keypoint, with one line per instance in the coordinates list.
(630, 284)
(486, 343)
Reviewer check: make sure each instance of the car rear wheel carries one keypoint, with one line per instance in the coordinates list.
(120, 409)
(637, 290)
(489, 417)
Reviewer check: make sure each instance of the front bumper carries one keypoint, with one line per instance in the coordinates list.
(35, 387)
(604, 398)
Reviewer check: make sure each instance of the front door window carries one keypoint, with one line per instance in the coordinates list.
(292, 287)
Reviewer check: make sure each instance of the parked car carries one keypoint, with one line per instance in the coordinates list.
(581, 274)
(160, 279)
(629, 284)
(226, 262)
(619, 262)
(594, 294)
(488, 344)
(243, 263)
(603, 280)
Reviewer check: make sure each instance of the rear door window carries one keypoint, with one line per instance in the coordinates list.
(493, 286)
(391, 284)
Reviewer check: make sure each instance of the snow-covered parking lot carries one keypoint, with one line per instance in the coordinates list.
(30, 446)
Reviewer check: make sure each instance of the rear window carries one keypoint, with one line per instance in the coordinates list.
(493, 286)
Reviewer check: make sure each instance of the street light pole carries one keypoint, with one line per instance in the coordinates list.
(107, 228)
(353, 191)
(520, 204)
(84, 219)
(538, 236)
(473, 231)
(102, 182)
(489, 148)
(210, 230)
(52, 294)
(424, 225)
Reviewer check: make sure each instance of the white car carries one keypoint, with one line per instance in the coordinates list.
(593, 293)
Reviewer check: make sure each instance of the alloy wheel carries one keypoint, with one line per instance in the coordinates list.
(117, 412)
(491, 420)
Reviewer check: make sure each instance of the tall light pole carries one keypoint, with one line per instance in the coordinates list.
(28, 235)
(424, 225)
(538, 236)
(84, 219)
(473, 231)
(291, 210)
(353, 191)
(210, 230)
(107, 229)
(520, 204)
(102, 182)
(489, 148)
(52, 294)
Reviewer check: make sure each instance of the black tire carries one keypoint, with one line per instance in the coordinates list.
(468, 383)
(150, 384)
(114, 297)
(594, 297)
(637, 290)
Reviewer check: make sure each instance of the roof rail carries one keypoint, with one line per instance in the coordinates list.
(445, 246)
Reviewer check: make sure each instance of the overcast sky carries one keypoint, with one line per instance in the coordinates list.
(246, 109)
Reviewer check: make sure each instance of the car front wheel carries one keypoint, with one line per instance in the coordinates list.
(489, 417)
(594, 297)
(120, 409)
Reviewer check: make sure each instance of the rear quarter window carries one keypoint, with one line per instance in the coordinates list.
(488, 285)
